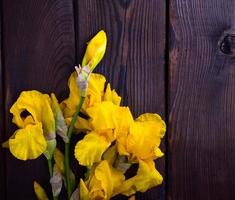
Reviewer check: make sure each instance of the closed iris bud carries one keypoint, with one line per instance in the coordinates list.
(95, 50)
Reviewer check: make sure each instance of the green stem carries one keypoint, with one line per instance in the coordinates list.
(49, 161)
(50, 167)
(67, 148)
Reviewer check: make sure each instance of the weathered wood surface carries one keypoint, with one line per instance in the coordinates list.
(2, 118)
(201, 102)
(39, 54)
(42, 42)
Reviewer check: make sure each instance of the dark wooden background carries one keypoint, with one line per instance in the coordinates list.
(162, 56)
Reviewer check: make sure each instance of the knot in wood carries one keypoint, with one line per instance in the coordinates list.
(227, 43)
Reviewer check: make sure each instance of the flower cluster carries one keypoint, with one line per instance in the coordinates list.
(113, 139)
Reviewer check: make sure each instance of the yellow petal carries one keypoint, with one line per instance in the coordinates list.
(29, 120)
(96, 84)
(29, 101)
(105, 111)
(39, 191)
(132, 197)
(94, 94)
(90, 149)
(95, 50)
(70, 104)
(113, 116)
(28, 143)
(146, 178)
(106, 180)
(84, 193)
(39, 110)
(155, 121)
(95, 91)
(142, 141)
(82, 124)
(110, 154)
(144, 138)
(59, 160)
(47, 119)
(158, 153)
(111, 95)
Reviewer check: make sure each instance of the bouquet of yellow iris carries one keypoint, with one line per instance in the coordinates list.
(113, 139)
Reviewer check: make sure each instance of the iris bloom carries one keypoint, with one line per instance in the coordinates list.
(143, 139)
(33, 114)
(102, 184)
(107, 121)
(96, 93)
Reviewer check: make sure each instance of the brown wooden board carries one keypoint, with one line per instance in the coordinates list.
(201, 102)
(2, 117)
(39, 53)
(134, 61)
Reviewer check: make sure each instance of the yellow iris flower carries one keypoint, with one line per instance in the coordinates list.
(96, 93)
(115, 121)
(102, 184)
(143, 139)
(33, 114)
(117, 124)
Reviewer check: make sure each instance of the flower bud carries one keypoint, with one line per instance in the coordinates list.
(95, 50)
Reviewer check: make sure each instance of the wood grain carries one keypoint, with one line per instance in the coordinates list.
(39, 53)
(134, 61)
(201, 102)
(2, 117)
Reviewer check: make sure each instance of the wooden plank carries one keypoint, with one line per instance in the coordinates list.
(202, 83)
(134, 61)
(39, 53)
(2, 117)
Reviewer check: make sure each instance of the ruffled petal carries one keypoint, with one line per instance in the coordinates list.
(30, 101)
(39, 110)
(105, 111)
(155, 121)
(105, 181)
(111, 95)
(95, 91)
(113, 117)
(143, 139)
(147, 177)
(90, 149)
(28, 143)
